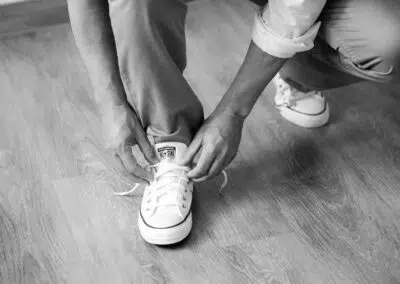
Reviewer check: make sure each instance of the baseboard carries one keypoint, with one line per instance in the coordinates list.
(20, 16)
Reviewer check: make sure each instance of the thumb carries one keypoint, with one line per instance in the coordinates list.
(146, 147)
(191, 151)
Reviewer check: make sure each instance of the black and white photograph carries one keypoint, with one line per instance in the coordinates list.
(200, 141)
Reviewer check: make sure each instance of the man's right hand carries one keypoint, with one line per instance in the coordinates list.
(123, 130)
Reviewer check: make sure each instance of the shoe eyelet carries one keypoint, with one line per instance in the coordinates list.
(183, 206)
(186, 190)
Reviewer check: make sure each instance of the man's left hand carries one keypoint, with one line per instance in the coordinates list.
(217, 142)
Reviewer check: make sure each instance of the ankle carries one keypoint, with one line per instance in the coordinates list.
(297, 85)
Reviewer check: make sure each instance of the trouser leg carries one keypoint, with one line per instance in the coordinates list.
(150, 41)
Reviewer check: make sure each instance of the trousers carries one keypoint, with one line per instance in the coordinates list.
(358, 40)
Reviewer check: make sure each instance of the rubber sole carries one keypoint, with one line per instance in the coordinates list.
(306, 120)
(166, 236)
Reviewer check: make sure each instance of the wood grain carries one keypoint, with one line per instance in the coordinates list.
(21, 16)
(302, 206)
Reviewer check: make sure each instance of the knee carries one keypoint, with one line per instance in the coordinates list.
(138, 18)
(144, 7)
(387, 42)
(260, 3)
(383, 30)
(135, 8)
(149, 14)
(372, 39)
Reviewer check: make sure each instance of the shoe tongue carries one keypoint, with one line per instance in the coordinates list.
(170, 151)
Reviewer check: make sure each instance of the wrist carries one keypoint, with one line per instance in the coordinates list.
(240, 111)
(237, 102)
(256, 71)
(232, 109)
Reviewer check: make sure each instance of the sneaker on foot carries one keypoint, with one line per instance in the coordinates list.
(165, 215)
(304, 109)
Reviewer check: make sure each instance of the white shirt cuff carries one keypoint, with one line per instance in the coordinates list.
(279, 46)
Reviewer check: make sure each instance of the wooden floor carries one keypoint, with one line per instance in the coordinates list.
(21, 16)
(301, 206)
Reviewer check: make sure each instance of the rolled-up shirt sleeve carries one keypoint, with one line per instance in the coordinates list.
(284, 27)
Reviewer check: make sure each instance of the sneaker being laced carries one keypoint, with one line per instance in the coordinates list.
(158, 176)
(165, 214)
(167, 189)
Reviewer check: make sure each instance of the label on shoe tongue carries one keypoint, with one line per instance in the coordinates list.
(170, 151)
(166, 152)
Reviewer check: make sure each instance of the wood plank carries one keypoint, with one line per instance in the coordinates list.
(301, 206)
(17, 17)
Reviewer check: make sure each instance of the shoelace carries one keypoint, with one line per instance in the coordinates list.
(290, 95)
(169, 171)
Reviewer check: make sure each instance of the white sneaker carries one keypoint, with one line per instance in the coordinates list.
(304, 109)
(165, 215)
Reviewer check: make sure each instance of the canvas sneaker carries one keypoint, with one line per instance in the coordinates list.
(306, 109)
(165, 215)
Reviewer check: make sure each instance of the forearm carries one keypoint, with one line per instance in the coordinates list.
(92, 30)
(257, 70)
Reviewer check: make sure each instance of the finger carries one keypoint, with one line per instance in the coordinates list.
(124, 174)
(191, 151)
(132, 166)
(207, 156)
(146, 148)
(215, 169)
(204, 178)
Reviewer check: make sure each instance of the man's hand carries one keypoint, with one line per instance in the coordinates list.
(217, 141)
(91, 25)
(123, 130)
(219, 137)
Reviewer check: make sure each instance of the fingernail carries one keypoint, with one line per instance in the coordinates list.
(149, 177)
